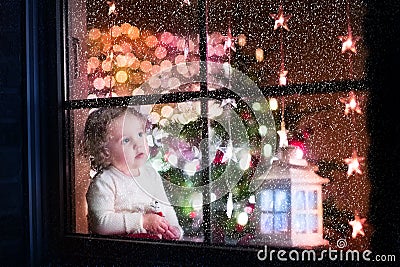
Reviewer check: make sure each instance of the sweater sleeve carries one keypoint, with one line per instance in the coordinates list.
(102, 217)
(165, 205)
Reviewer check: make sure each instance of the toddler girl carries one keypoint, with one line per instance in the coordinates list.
(123, 193)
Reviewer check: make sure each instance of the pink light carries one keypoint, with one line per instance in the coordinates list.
(99, 83)
(160, 52)
(166, 37)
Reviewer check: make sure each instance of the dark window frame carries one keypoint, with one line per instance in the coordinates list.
(51, 243)
(70, 105)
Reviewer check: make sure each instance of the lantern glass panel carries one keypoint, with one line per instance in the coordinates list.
(312, 223)
(267, 223)
(312, 200)
(267, 202)
(280, 222)
(300, 223)
(274, 205)
(299, 200)
(281, 200)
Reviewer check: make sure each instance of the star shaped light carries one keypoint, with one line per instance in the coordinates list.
(357, 225)
(111, 8)
(351, 103)
(229, 41)
(283, 141)
(185, 2)
(349, 42)
(229, 152)
(282, 77)
(353, 164)
(229, 101)
(280, 19)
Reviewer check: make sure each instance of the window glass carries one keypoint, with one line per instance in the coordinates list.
(280, 222)
(312, 200)
(300, 200)
(266, 202)
(274, 211)
(267, 223)
(215, 128)
(300, 224)
(312, 221)
(119, 45)
(306, 47)
(281, 200)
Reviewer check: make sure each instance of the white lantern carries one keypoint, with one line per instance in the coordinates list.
(289, 204)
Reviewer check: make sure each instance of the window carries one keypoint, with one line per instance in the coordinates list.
(217, 82)
(307, 211)
(275, 207)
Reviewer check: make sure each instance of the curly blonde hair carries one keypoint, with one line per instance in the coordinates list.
(95, 135)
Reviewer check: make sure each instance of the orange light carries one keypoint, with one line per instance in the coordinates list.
(165, 64)
(242, 40)
(115, 31)
(94, 34)
(125, 28)
(151, 41)
(106, 64)
(259, 54)
(121, 76)
(133, 32)
(145, 66)
(167, 37)
(93, 62)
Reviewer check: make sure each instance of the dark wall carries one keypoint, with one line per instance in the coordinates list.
(382, 37)
(13, 205)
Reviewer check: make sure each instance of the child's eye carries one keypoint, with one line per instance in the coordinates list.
(141, 134)
(125, 140)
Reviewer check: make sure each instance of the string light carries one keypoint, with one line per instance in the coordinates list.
(358, 225)
(351, 104)
(280, 19)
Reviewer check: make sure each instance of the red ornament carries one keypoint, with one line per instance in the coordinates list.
(245, 116)
(298, 144)
(219, 155)
(192, 214)
(239, 228)
(251, 164)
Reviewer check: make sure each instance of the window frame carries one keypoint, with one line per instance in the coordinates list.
(58, 242)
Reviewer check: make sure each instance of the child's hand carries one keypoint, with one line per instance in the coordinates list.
(155, 223)
(172, 233)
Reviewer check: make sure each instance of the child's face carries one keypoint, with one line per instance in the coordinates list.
(127, 144)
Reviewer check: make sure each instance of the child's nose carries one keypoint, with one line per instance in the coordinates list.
(139, 144)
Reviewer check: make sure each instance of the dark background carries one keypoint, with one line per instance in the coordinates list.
(28, 123)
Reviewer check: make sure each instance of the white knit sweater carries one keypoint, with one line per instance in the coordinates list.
(116, 202)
